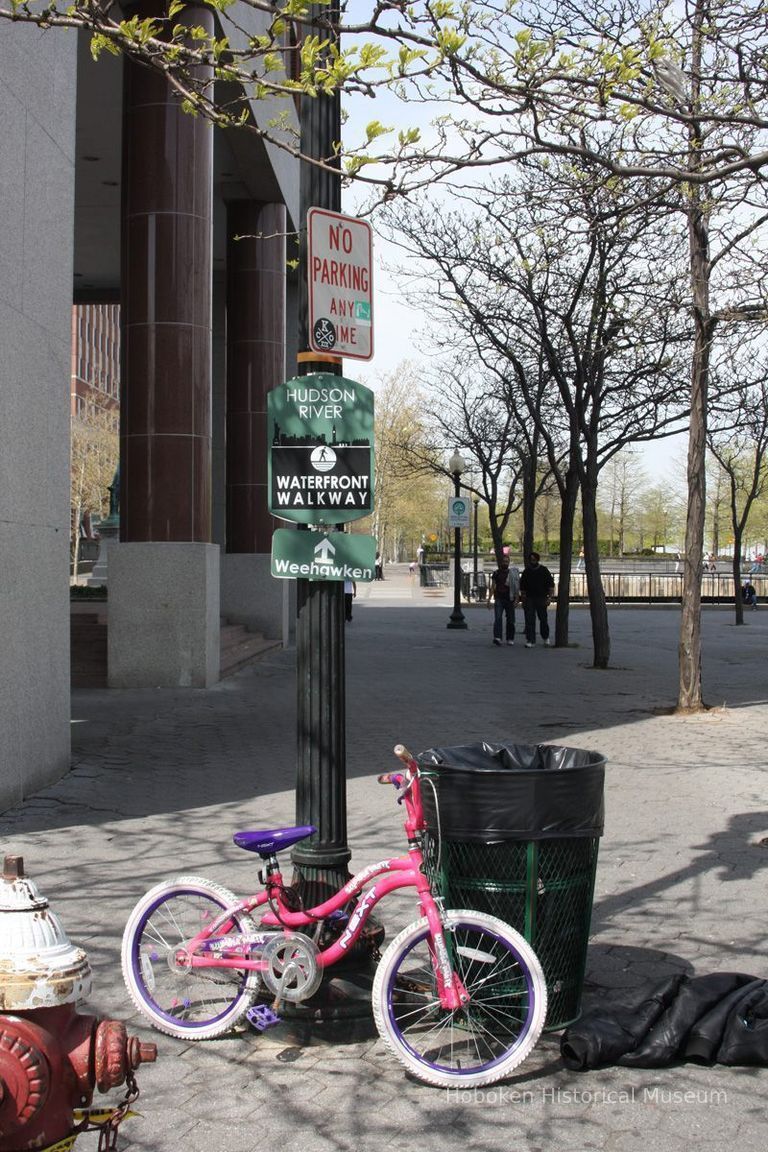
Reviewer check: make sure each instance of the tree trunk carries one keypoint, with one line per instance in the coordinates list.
(601, 638)
(545, 527)
(529, 505)
(737, 537)
(612, 524)
(496, 534)
(690, 697)
(76, 545)
(570, 494)
(716, 515)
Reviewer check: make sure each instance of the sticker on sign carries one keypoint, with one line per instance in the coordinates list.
(340, 278)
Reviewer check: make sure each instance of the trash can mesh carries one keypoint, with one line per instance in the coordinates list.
(543, 888)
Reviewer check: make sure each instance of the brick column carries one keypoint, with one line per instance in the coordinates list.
(165, 439)
(256, 275)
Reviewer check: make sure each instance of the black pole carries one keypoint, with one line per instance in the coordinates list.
(475, 501)
(456, 619)
(321, 862)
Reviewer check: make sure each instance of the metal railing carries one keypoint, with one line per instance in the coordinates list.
(662, 587)
(625, 587)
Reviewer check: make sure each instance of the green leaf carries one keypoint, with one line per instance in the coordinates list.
(409, 136)
(374, 130)
(100, 43)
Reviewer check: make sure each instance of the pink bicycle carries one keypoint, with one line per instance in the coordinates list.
(458, 996)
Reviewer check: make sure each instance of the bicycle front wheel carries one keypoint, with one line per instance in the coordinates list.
(191, 1003)
(487, 1038)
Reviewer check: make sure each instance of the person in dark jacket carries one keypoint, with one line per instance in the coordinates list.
(504, 590)
(537, 587)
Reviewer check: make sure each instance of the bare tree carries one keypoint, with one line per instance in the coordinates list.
(93, 459)
(622, 480)
(738, 440)
(406, 500)
(552, 282)
(462, 411)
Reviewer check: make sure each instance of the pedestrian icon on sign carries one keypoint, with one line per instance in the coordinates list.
(324, 333)
(323, 458)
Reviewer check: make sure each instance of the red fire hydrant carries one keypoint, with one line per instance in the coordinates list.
(51, 1057)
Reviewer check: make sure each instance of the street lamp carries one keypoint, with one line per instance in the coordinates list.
(456, 467)
(475, 501)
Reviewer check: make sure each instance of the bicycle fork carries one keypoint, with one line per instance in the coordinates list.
(453, 995)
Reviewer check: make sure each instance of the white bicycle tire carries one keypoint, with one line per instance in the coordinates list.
(426, 1070)
(131, 962)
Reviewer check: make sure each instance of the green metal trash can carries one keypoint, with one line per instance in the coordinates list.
(513, 830)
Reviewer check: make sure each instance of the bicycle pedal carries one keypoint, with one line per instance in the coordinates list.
(261, 1017)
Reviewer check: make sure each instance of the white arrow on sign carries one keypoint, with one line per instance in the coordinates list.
(324, 551)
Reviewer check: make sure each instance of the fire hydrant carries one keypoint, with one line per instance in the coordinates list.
(51, 1057)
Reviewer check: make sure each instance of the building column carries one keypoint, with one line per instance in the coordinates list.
(164, 573)
(256, 315)
(165, 434)
(255, 363)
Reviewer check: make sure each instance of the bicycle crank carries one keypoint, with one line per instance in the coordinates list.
(290, 967)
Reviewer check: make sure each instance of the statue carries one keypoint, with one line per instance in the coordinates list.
(114, 494)
(108, 529)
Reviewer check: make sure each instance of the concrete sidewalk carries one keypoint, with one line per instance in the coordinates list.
(162, 779)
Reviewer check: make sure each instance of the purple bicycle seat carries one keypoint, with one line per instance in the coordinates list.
(269, 841)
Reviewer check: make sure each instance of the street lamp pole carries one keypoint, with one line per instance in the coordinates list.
(456, 620)
(321, 862)
(475, 501)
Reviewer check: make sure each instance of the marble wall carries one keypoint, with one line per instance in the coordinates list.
(37, 98)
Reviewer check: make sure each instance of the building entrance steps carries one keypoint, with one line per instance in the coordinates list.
(239, 647)
(88, 646)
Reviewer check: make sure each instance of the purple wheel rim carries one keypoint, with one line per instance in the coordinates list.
(188, 1025)
(522, 1033)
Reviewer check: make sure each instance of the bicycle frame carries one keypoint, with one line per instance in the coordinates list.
(390, 875)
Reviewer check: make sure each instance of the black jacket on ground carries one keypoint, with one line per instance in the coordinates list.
(716, 1019)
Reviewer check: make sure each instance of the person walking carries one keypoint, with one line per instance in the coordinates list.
(749, 594)
(350, 591)
(537, 587)
(505, 590)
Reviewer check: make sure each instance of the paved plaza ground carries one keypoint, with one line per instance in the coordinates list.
(162, 779)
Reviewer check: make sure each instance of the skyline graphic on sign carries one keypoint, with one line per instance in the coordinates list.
(284, 440)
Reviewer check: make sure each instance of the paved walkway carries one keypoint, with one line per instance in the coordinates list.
(162, 779)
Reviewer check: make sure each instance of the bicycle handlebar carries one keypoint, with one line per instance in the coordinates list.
(403, 754)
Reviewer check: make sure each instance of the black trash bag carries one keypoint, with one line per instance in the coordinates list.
(495, 792)
(721, 1018)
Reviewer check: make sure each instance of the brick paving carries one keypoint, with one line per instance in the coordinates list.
(160, 780)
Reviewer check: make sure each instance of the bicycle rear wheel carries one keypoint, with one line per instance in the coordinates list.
(487, 1038)
(191, 1003)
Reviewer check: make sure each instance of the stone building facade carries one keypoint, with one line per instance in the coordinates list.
(111, 195)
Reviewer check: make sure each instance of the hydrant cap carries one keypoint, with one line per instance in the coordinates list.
(39, 965)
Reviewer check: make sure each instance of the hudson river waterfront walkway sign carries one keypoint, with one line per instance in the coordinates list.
(320, 430)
